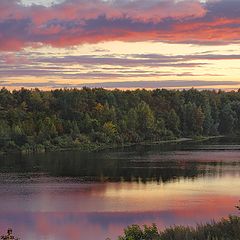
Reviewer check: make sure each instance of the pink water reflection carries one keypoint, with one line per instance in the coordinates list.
(97, 211)
(94, 226)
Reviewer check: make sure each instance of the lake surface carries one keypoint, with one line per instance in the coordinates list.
(73, 195)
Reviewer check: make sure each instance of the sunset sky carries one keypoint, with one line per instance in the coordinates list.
(120, 43)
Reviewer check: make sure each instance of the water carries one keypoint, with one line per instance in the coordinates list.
(73, 195)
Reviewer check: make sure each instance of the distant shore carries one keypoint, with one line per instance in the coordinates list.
(97, 119)
(183, 139)
(95, 147)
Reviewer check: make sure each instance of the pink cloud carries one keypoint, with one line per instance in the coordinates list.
(81, 9)
(12, 58)
(76, 22)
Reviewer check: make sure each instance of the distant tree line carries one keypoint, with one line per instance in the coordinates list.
(34, 120)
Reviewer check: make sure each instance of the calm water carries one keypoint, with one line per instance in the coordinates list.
(71, 195)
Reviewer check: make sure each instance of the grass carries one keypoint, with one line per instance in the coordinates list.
(226, 229)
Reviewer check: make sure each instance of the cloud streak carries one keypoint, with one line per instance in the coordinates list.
(110, 66)
(127, 84)
(75, 22)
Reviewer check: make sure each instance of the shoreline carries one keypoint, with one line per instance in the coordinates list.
(177, 140)
(94, 147)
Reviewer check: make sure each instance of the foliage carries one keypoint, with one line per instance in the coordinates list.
(226, 229)
(238, 207)
(34, 120)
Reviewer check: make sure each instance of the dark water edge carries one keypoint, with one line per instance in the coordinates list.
(96, 147)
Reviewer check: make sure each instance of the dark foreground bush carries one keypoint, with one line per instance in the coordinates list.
(226, 229)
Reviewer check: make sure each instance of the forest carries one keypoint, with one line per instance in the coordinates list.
(88, 119)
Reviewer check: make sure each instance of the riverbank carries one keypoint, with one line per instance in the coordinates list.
(226, 229)
(179, 140)
(95, 147)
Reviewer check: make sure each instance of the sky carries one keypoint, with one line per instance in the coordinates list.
(124, 44)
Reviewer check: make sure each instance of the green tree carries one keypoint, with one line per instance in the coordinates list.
(145, 119)
(227, 119)
(131, 119)
(193, 119)
(18, 135)
(110, 130)
(47, 129)
(208, 123)
(173, 122)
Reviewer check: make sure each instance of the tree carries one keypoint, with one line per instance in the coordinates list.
(173, 122)
(131, 119)
(238, 207)
(235, 106)
(227, 119)
(75, 130)
(18, 135)
(193, 119)
(5, 133)
(47, 129)
(208, 123)
(145, 119)
(110, 130)
(198, 120)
